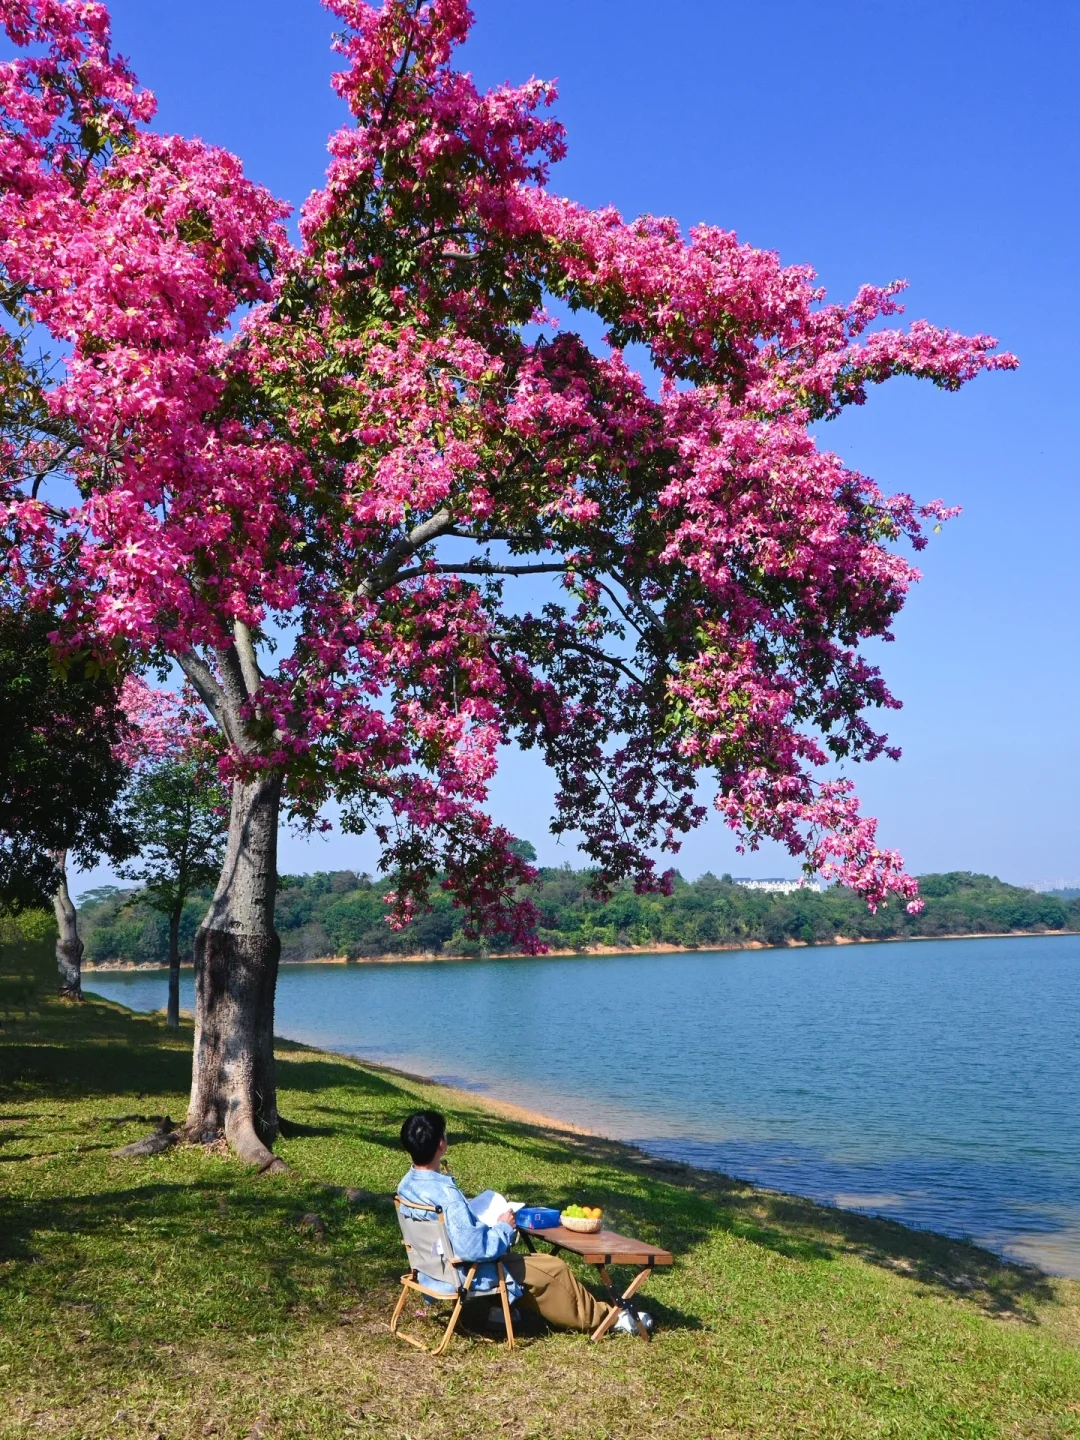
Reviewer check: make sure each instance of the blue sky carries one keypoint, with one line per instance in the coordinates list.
(934, 141)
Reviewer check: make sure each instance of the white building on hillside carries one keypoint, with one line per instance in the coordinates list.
(776, 886)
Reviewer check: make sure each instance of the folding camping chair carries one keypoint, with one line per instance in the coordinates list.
(430, 1253)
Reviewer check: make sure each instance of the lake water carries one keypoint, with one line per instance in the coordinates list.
(934, 1082)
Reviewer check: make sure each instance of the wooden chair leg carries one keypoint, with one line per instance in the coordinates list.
(448, 1335)
(451, 1325)
(398, 1308)
(465, 1293)
(395, 1319)
(507, 1316)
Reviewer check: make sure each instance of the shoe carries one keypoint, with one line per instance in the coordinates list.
(497, 1320)
(625, 1323)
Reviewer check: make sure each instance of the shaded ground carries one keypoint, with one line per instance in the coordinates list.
(178, 1296)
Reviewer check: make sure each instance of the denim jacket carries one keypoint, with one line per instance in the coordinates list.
(472, 1240)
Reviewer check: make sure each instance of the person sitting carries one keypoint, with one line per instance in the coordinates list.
(543, 1284)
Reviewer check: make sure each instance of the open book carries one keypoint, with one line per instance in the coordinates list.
(488, 1206)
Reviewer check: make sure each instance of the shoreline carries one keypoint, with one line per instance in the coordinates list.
(480, 1099)
(631, 1155)
(777, 1313)
(627, 1152)
(660, 948)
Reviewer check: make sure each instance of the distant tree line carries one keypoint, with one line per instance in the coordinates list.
(341, 913)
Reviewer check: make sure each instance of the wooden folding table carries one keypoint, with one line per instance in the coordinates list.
(602, 1249)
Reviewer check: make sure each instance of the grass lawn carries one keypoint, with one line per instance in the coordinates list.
(179, 1296)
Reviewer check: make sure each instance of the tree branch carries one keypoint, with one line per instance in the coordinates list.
(406, 56)
(235, 689)
(384, 575)
(213, 696)
(593, 651)
(605, 659)
(481, 567)
(622, 609)
(483, 538)
(650, 615)
(41, 475)
(245, 651)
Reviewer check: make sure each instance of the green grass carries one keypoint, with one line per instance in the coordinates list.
(179, 1296)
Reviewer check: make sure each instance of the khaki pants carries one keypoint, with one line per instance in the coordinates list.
(552, 1290)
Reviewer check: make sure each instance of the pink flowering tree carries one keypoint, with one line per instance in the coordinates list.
(320, 515)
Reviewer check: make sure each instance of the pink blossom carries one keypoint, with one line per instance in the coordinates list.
(365, 462)
(158, 727)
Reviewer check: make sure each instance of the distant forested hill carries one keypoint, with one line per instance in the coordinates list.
(342, 913)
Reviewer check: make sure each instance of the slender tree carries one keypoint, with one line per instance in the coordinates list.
(177, 809)
(61, 773)
(394, 434)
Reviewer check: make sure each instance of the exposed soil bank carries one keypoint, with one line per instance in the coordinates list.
(659, 948)
(476, 1099)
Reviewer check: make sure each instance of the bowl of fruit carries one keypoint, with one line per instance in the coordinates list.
(586, 1218)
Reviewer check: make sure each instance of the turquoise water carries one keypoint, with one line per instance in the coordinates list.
(934, 1082)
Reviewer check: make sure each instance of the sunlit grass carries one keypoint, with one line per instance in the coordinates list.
(179, 1296)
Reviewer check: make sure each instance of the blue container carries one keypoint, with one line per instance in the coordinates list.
(536, 1217)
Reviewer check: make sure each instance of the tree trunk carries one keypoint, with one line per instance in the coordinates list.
(172, 1013)
(233, 1087)
(69, 948)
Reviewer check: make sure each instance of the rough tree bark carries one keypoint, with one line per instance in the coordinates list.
(233, 1086)
(69, 948)
(172, 1013)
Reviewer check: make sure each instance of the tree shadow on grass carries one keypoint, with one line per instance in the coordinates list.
(529, 1326)
(239, 1226)
(81, 1069)
(659, 1201)
(296, 1129)
(311, 1077)
(679, 1207)
(999, 1286)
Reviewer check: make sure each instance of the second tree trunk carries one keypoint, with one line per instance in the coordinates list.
(69, 948)
(172, 1013)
